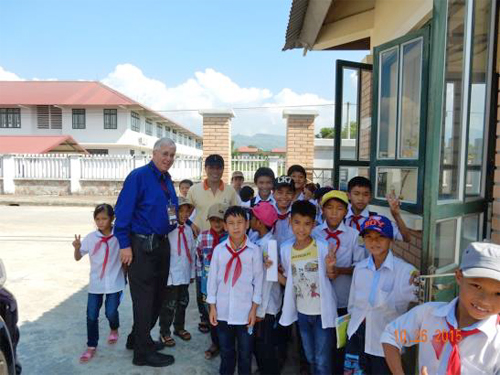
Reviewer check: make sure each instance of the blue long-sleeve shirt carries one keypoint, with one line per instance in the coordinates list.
(142, 206)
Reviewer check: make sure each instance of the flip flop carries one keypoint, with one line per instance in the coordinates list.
(167, 340)
(87, 355)
(183, 334)
(212, 352)
(113, 337)
(203, 328)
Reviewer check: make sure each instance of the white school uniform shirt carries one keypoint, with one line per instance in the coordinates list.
(479, 353)
(233, 303)
(257, 200)
(181, 271)
(283, 227)
(327, 295)
(271, 290)
(113, 279)
(379, 296)
(365, 214)
(348, 255)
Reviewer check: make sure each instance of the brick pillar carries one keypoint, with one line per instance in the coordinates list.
(217, 137)
(495, 220)
(300, 138)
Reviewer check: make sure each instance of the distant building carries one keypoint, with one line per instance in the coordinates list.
(100, 119)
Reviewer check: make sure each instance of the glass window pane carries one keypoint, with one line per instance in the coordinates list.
(346, 173)
(451, 133)
(470, 230)
(410, 99)
(446, 234)
(402, 182)
(478, 87)
(366, 115)
(388, 99)
(349, 114)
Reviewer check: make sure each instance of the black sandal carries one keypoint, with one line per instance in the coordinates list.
(203, 327)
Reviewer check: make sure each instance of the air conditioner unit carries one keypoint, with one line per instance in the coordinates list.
(142, 141)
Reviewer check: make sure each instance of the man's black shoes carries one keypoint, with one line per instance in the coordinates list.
(130, 344)
(154, 360)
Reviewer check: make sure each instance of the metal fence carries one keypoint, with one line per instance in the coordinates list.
(249, 164)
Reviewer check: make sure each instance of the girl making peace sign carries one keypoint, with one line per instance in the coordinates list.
(106, 277)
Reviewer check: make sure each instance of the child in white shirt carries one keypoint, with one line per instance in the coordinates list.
(267, 332)
(284, 191)
(234, 292)
(309, 295)
(106, 277)
(181, 274)
(343, 245)
(459, 337)
(381, 290)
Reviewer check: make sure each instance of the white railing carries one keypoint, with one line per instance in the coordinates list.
(93, 167)
(108, 167)
(249, 164)
(41, 166)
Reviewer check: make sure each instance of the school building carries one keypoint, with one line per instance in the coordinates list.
(425, 104)
(100, 119)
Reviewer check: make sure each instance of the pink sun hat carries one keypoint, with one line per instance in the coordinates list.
(265, 212)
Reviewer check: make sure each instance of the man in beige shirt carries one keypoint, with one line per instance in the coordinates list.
(212, 190)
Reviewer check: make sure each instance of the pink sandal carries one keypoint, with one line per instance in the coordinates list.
(87, 355)
(113, 337)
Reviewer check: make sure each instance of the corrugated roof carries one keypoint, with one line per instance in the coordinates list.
(72, 93)
(295, 22)
(41, 144)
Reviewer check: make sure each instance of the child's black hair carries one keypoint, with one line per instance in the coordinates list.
(296, 168)
(318, 194)
(186, 181)
(359, 181)
(104, 207)
(246, 193)
(304, 208)
(236, 211)
(263, 171)
(312, 187)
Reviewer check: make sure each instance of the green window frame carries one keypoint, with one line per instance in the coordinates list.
(78, 118)
(407, 169)
(135, 121)
(10, 118)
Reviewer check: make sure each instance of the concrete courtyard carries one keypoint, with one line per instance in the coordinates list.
(50, 287)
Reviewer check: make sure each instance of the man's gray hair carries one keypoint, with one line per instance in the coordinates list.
(165, 141)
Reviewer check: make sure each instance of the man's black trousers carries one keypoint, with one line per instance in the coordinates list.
(148, 275)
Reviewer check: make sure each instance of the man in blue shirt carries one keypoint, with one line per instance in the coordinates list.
(141, 227)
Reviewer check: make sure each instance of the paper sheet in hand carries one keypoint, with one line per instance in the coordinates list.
(341, 323)
(272, 253)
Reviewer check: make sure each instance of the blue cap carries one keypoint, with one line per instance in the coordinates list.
(380, 224)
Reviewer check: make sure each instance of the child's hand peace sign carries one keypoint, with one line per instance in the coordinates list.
(77, 244)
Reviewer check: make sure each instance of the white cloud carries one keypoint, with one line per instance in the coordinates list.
(8, 76)
(211, 89)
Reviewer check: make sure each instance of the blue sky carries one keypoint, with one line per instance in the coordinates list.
(169, 42)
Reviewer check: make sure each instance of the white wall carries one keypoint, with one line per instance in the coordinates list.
(94, 136)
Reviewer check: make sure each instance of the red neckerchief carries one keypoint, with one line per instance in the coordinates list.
(216, 240)
(235, 254)
(283, 216)
(179, 245)
(334, 235)
(454, 337)
(106, 255)
(355, 219)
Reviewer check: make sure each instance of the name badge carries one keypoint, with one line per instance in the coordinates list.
(172, 214)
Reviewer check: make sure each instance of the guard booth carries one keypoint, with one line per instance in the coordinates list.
(424, 106)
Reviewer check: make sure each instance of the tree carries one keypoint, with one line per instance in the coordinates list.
(329, 133)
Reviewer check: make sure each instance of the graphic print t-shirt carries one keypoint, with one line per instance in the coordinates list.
(306, 280)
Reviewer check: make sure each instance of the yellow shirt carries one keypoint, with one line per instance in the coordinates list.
(202, 197)
(306, 279)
